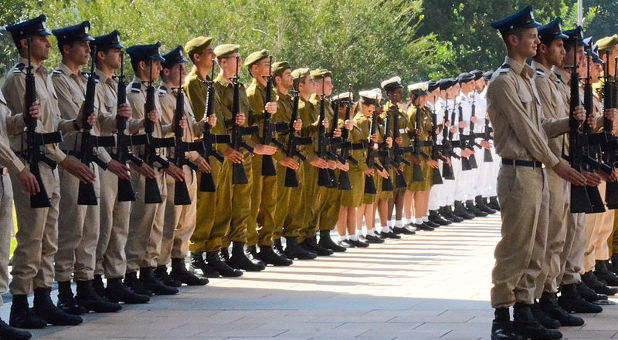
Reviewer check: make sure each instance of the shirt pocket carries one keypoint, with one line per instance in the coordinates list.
(526, 99)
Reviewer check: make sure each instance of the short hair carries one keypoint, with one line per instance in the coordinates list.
(518, 32)
(62, 43)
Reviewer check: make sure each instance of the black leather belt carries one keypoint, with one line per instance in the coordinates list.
(515, 162)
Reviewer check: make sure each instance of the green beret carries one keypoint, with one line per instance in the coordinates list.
(226, 49)
(280, 67)
(301, 73)
(197, 45)
(607, 42)
(321, 73)
(255, 57)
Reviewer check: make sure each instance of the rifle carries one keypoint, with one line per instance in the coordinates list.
(34, 140)
(446, 149)
(471, 142)
(124, 141)
(152, 194)
(86, 194)
(609, 102)
(486, 137)
(346, 146)
(435, 152)
(465, 162)
(372, 153)
(291, 179)
(417, 171)
(324, 177)
(333, 144)
(205, 145)
(386, 155)
(268, 166)
(239, 175)
(398, 151)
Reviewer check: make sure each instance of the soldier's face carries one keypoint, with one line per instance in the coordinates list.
(156, 69)
(40, 48)
(527, 43)
(479, 84)
(229, 65)
(307, 87)
(204, 59)
(328, 86)
(397, 95)
(556, 52)
(595, 72)
(110, 58)
(78, 53)
(286, 79)
(261, 69)
(175, 74)
(368, 110)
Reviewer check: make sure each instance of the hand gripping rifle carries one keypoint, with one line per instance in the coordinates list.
(609, 102)
(269, 128)
(34, 140)
(471, 140)
(462, 144)
(291, 179)
(124, 142)
(324, 177)
(239, 175)
(446, 149)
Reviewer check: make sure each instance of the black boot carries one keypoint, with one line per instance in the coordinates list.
(493, 203)
(89, 299)
(614, 264)
(277, 245)
(311, 245)
(24, 317)
(431, 223)
(243, 259)
(294, 251)
(461, 212)
(225, 254)
(45, 309)
(543, 318)
(448, 212)
(161, 273)
(502, 327)
(117, 292)
(98, 286)
(435, 217)
(268, 255)
(603, 273)
(198, 263)
(152, 282)
(215, 261)
(481, 204)
(66, 300)
(181, 274)
(593, 282)
(131, 281)
(327, 242)
(472, 209)
(549, 305)
(588, 294)
(572, 302)
(527, 326)
(10, 333)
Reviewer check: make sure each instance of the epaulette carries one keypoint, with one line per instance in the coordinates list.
(540, 72)
(19, 67)
(558, 77)
(136, 87)
(56, 72)
(162, 90)
(504, 68)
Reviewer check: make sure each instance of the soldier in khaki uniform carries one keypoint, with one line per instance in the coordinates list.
(521, 140)
(179, 221)
(37, 244)
(114, 225)
(146, 221)
(78, 225)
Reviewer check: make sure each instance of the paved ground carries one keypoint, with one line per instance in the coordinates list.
(428, 286)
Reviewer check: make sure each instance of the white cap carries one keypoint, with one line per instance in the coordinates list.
(345, 95)
(393, 80)
(424, 86)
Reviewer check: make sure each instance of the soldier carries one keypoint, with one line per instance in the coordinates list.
(179, 221)
(521, 141)
(147, 219)
(114, 226)
(78, 225)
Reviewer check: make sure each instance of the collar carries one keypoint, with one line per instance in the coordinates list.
(35, 69)
(562, 74)
(523, 70)
(66, 70)
(103, 78)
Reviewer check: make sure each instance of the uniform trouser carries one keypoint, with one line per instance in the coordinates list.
(146, 225)
(37, 239)
(110, 257)
(311, 202)
(179, 220)
(241, 206)
(261, 223)
(6, 228)
(495, 166)
(559, 194)
(598, 228)
(329, 212)
(519, 256)
(450, 193)
(485, 176)
(201, 240)
(78, 231)
(288, 214)
(572, 258)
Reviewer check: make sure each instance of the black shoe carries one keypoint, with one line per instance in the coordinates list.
(89, 299)
(481, 204)
(277, 245)
(472, 209)
(431, 224)
(152, 282)
(549, 305)
(389, 235)
(311, 245)
(493, 203)
(22, 316)
(181, 274)
(588, 294)
(66, 300)
(131, 281)
(461, 211)
(198, 263)
(98, 286)
(161, 273)
(243, 259)
(603, 273)
(593, 282)
(614, 264)
(117, 292)
(372, 239)
(225, 254)
(572, 302)
(358, 243)
(411, 228)
(502, 327)
(269, 256)
(423, 227)
(447, 211)
(294, 251)
(402, 230)
(543, 318)
(45, 309)
(10, 333)
(345, 243)
(214, 261)
(435, 217)
(327, 242)
(527, 326)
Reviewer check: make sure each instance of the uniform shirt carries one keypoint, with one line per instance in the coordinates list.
(515, 110)
(71, 91)
(14, 89)
(196, 91)
(256, 94)
(9, 123)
